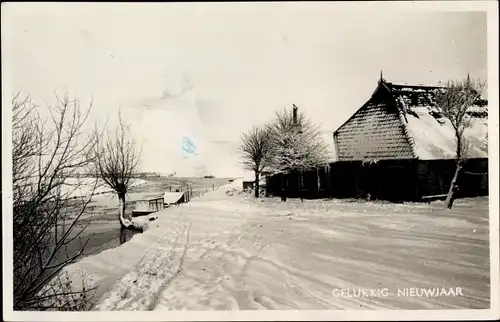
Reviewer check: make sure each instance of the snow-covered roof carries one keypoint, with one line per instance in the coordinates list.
(144, 196)
(403, 121)
(248, 176)
(431, 134)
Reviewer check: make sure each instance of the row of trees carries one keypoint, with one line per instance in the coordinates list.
(50, 146)
(291, 142)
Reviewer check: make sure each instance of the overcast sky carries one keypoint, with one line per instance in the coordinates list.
(209, 71)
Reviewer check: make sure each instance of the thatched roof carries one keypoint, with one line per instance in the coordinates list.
(403, 121)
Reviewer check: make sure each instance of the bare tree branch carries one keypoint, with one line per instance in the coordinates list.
(116, 160)
(455, 102)
(45, 154)
(256, 152)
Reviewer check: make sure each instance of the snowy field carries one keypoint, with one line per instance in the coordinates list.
(234, 252)
(77, 187)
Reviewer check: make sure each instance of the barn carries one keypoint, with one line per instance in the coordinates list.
(398, 146)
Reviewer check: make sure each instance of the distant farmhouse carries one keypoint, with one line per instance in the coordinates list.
(397, 146)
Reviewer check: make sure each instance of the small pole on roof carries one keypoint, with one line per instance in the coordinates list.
(381, 76)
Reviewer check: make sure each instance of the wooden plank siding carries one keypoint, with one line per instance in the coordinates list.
(435, 177)
(394, 180)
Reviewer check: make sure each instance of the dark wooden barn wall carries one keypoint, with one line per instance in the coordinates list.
(387, 180)
(435, 177)
(394, 180)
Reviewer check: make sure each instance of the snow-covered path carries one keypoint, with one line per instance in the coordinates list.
(236, 253)
(270, 255)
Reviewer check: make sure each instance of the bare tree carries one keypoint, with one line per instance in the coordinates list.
(47, 215)
(117, 159)
(455, 101)
(255, 150)
(297, 144)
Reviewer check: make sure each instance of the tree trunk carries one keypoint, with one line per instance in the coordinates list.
(329, 181)
(451, 192)
(318, 177)
(121, 210)
(257, 184)
(283, 196)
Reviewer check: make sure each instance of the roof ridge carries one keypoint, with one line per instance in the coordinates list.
(417, 85)
(404, 123)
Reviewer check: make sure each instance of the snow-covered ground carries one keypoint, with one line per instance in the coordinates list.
(76, 187)
(223, 252)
